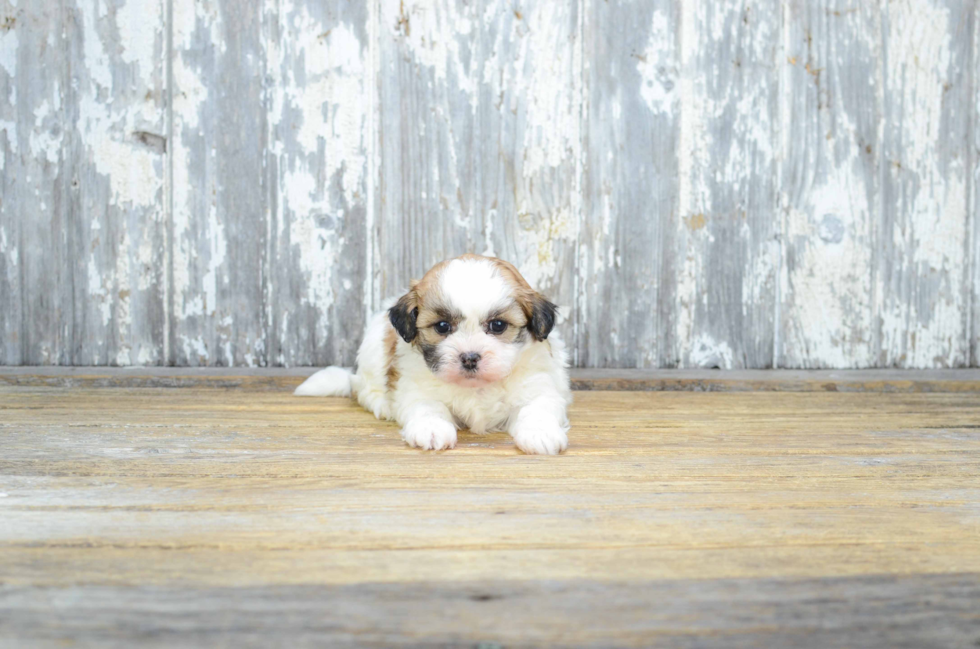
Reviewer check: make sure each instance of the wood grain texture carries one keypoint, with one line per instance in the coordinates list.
(867, 612)
(36, 288)
(697, 184)
(831, 105)
(975, 193)
(115, 151)
(627, 253)
(320, 77)
(480, 125)
(924, 238)
(287, 379)
(220, 216)
(723, 240)
(807, 510)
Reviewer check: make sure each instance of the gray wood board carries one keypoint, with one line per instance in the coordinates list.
(865, 611)
(286, 379)
(480, 123)
(924, 242)
(829, 184)
(35, 214)
(319, 88)
(212, 183)
(219, 272)
(627, 261)
(974, 164)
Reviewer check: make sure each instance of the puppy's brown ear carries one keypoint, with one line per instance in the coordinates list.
(542, 319)
(403, 316)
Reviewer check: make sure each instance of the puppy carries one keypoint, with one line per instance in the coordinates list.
(469, 346)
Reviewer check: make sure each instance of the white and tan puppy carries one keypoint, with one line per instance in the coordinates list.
(469, 346)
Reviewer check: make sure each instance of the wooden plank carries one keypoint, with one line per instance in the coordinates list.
(11, 316)
(829, 184)
(891, 381)
(181, 516)
(220, 222)
(36, 287)
(286, 379)
(480, 122)
(924, 244)
(725, 255)
(899, 611)
(116, 144)
(179, 487)
(630, 183)
(975, 187)
(320, 83)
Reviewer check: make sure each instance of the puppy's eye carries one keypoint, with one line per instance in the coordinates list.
(498, 326)
(442, 328)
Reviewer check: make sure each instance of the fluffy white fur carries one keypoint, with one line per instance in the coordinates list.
(521, 387)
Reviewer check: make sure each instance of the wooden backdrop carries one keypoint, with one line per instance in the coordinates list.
(697, 183)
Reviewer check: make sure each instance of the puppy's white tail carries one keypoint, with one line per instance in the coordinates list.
(329, 382)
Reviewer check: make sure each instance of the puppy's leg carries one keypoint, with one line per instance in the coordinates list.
(541, 426)
(427, 425)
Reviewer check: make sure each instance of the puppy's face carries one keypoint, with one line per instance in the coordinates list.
(471, 317)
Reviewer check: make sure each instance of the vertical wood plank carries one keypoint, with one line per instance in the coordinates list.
(220, 188)
(35, 285)
(630, 182)
(975, 192)
(116, 157)
(11, 301)
(831, 104)
(480, 124)
(320, 76)
(724, 268)
(924, 243)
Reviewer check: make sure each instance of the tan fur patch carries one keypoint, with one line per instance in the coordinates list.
(391, 344)
(523, 293)
(426, 290)
(513, 316)
(426, 295)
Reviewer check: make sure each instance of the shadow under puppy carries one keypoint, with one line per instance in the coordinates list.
(469, 346)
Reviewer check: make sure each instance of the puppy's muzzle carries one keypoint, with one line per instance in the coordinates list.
(469, 361)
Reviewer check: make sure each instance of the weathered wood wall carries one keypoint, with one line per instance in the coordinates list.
(699, 183)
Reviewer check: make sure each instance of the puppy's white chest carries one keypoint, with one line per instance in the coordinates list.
(482, 412)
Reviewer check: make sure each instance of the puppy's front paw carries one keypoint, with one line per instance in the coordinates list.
(430, 433)
(540, 435)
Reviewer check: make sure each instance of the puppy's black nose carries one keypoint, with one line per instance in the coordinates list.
(469, 360)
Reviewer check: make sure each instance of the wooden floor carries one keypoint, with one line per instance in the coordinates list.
(216, 517)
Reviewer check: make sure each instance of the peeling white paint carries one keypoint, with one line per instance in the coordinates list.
(512, 77)
(97, 63)
(931, 211)
(658, 71)
(191, 15)
(10, 251)
(552, 136)
(134, 172)
(146, 356)
(195, 349)
(140, 21)
(106, 127)
(706, 352)
(47, 137)
(190, 97)
(432, 33)
(9, 44)
(540, 265)
(317, 246)
(218, 249)
(322, 75)
(827, 290)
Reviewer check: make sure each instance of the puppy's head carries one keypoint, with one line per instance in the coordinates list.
(471, 317)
